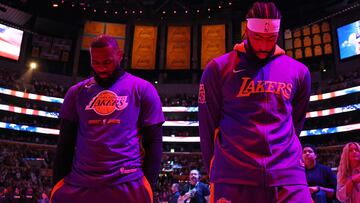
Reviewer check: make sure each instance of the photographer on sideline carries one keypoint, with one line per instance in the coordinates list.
(194, 191)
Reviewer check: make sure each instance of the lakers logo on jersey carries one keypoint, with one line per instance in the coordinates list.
(106, 102)
(249, 87)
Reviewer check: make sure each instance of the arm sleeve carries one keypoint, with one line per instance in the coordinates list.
(65, 150)
(152, 144)
(151, 120)
(300, 102)
(67, 138)
(209, 110)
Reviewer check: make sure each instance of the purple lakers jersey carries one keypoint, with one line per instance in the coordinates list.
(108, 145)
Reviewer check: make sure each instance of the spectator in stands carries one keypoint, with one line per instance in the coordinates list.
(194, 191)
(3, 197)
(16, 197)
(175, 193)
(320, 178)
(348, 189)
(18, 175)
(29, 195)
(44, 198)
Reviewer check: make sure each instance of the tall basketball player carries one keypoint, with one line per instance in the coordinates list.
(252, 106)
(110, 142)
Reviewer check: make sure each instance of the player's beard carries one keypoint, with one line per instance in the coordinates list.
(109, 81)
(252, 55)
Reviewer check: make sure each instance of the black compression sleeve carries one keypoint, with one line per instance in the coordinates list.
(65, 150)
(152, 143)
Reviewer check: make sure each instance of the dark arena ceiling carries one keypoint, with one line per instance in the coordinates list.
(295, 12)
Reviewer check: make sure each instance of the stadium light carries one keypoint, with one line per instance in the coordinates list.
(55, 3)
(33, 65)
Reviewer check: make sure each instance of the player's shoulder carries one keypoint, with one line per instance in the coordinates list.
(223, 60)
(84, 83)
(139, 85)
(137, 81)
(293, 62)
(221, 64)
(77, 87)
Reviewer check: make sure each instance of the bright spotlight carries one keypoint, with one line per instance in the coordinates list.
(33, 65)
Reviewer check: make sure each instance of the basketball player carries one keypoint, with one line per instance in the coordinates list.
(252, 106)
(112, 125)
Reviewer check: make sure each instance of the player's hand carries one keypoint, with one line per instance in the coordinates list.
(313, 189)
